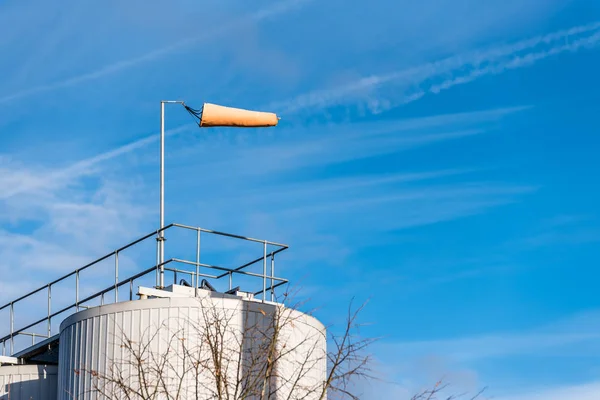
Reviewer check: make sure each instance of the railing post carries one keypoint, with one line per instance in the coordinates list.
(77, 290)
(230, 280)
(116, 276)
(197, 262)
(130, 289)
(264, 271)
(272, 275)
(161, 258)
(158, 261)
(49, 310)
(162, 265)
(12, 328)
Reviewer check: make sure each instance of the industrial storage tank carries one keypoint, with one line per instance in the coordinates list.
(31, 382)
(194, 344)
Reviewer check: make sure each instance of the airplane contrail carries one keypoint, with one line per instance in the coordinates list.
(480, 63)
(82, 167)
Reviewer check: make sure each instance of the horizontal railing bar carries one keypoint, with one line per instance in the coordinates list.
(123, 282)
(18, 332)
(33, 334)
(149, 235)
(113, 253)
(231, 235)
(226, 269)
(253, 262)
(98, 294)
(129, 280)
(86, 266)
(183, 271)
(272, 287)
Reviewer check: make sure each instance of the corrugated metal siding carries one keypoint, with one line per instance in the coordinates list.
(91, 339)
(305, 369)
(28, 382)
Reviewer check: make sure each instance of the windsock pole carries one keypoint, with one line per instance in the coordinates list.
(211, 115)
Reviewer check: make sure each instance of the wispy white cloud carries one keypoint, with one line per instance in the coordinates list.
(332, 144)
(577, 236)
(414, 83)
(562, 230)
(471, 349)
(519, 61)
(412, 364)
(18, 180)
(556, 335)
(60, 206)
(62, 228)
(583, 391)
(321, 146)
(238, 23)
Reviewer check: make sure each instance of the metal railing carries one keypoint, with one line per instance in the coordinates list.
(269, 281)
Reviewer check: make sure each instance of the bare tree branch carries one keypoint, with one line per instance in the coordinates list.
(241, 350)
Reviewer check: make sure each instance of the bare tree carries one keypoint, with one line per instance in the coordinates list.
(436, 393)
(267, 351)
(251, 351)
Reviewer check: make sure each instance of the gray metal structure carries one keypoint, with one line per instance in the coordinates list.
(38, 382)
(92, 340)
(194, 268)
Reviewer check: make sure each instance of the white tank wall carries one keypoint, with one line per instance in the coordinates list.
(28, 382)
(91, 340)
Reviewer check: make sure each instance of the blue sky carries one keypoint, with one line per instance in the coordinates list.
(436, 157)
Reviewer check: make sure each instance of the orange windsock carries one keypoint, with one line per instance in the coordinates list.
(214, 115)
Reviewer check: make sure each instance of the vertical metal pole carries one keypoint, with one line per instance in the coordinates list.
(265, 271)
(12, 328)
(272, 275)
(116, 276)
(49, 310)
(77, 290)
(230, 280)
(158, 260)
(197, 263)
(162, 194)
(130, 289)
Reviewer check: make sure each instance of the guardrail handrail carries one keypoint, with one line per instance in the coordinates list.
(160, 268)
